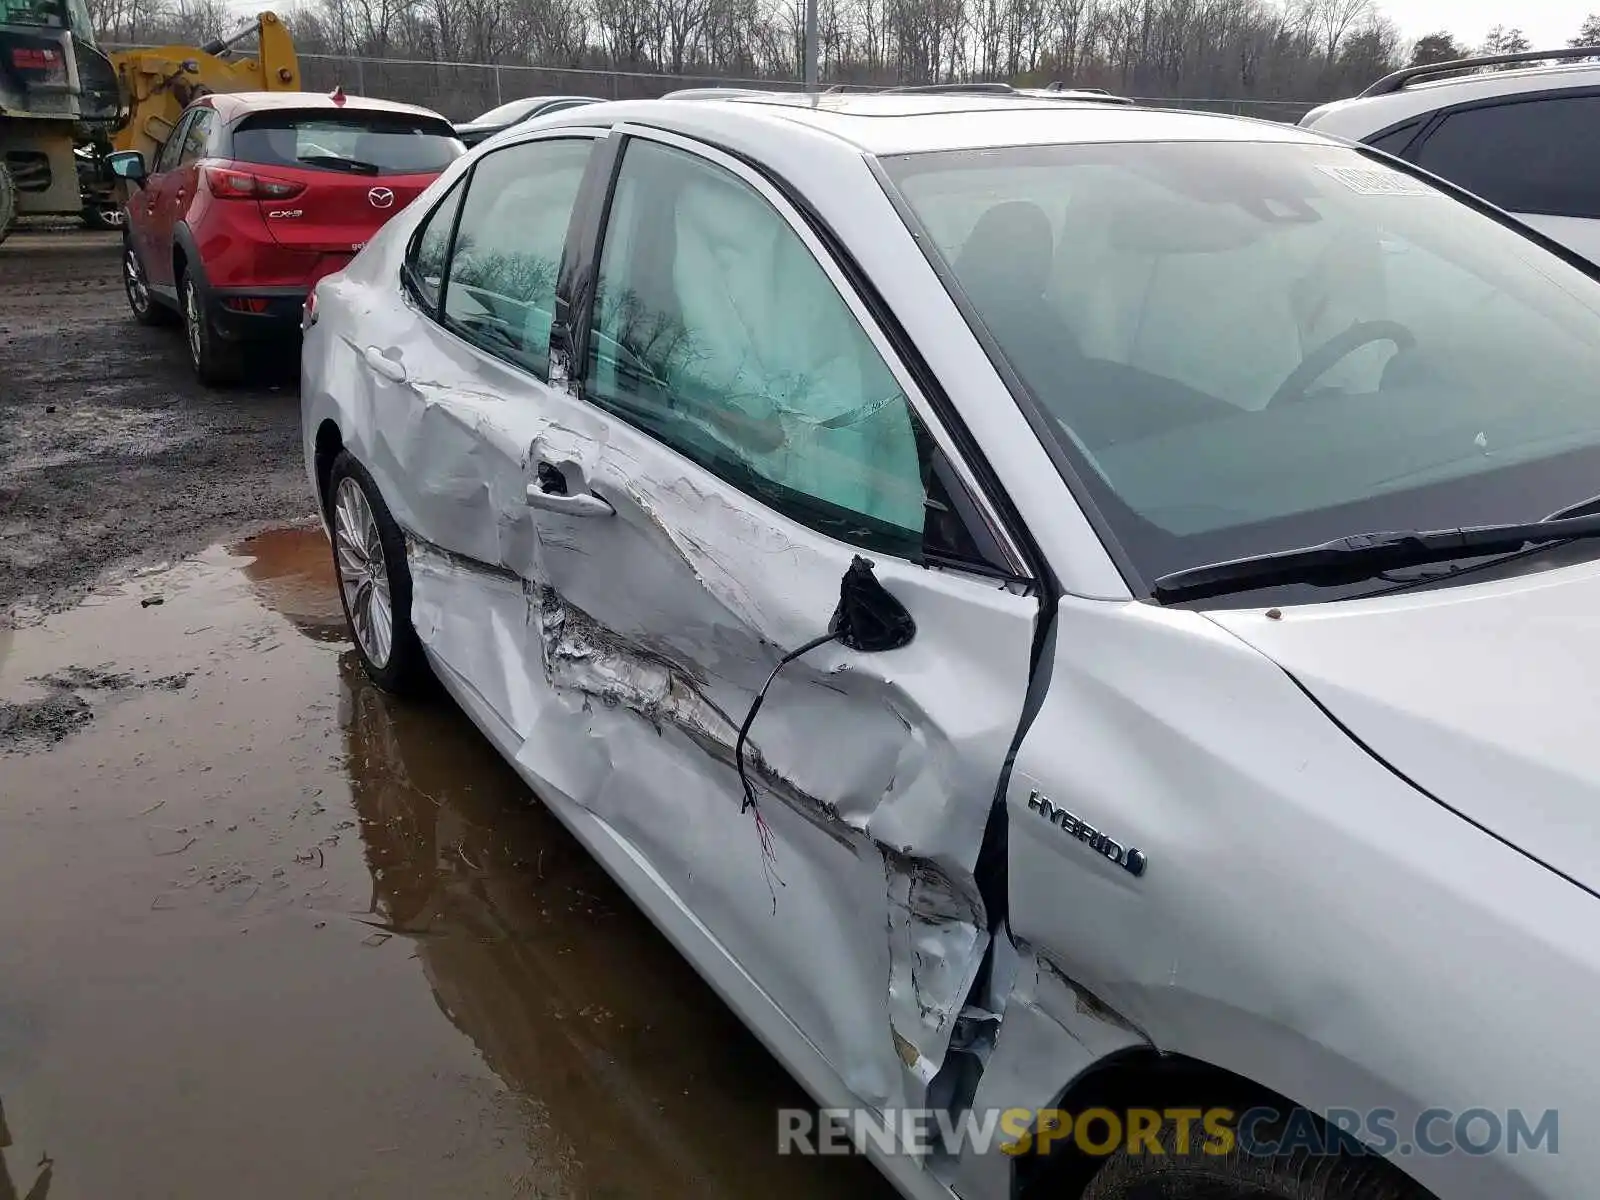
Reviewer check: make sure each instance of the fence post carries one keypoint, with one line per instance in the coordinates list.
(361, 79)
(498, 98)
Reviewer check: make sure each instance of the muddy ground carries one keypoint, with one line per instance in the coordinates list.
(263, 931)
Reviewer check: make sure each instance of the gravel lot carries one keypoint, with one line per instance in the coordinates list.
(111, 453)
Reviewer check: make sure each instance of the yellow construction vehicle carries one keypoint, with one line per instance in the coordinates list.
(157, 82)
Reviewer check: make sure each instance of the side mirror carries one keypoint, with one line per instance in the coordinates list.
(868, 617)
(127, 165)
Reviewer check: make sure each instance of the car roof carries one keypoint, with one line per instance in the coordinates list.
(232, 104)
(530, 107)
(535, 101)
(1360, 116)
(907, 123)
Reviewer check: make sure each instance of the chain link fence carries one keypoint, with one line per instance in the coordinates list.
(461, 91)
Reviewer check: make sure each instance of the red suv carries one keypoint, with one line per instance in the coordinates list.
(257, 195)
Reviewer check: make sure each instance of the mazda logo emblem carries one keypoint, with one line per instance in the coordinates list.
(380, 198)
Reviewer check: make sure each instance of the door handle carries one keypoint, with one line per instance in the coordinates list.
(573, 506)
(384, 365)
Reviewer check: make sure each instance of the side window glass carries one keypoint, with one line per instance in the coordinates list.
(430, 246)
(1396, 140)
(168, 158)
(199, 133)
(1536, 156)
(716, 330)
(501, 288)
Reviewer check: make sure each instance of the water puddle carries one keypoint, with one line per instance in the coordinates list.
(265, 932)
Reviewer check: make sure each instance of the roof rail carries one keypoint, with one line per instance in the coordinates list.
(1003, 89)
(706, 93)
(980, 89)
(1397, 81)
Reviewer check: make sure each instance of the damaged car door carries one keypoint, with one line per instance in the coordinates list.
(455, 382)
(736, 433)
(150, 209)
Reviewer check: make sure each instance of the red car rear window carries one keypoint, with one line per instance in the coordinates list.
(359, 143)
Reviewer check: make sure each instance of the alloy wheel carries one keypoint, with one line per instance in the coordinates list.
(133, 279)
(192, 319)
(363, 572)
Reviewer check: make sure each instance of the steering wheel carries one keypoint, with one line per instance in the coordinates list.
(1317, 364)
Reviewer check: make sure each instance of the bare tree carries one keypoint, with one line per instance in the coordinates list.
(1334, 19)
(1283, 50)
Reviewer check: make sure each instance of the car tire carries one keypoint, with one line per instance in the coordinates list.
(1188, 1173)
(8, 201)
(216, 362)
(369, 562)
(146, 309)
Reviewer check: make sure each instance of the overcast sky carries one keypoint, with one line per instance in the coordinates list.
(1546, 22)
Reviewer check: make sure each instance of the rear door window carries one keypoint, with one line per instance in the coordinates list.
(430, 249)
(359, 143)
(1530, 156)
(170, 149)
(197, 136)
(500, 290)
(1395, 140)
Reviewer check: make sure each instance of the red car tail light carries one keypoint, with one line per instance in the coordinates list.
(229, 183)
(308, 313)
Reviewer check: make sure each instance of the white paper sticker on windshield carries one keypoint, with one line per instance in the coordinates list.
(1377, 181)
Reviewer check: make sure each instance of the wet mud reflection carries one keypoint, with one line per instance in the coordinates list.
(634, 1079)
(40, 1175)
(265, 932)
(638, 1080)
(292, 572)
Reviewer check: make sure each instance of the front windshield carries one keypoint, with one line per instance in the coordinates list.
(1241, 347)
(79, 21)
(58, 14)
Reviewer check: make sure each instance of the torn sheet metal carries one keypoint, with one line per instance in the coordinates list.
(1053, 1030)
(623, 652)
(937, 938)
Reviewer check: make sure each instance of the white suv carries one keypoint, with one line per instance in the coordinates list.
(1523, 139)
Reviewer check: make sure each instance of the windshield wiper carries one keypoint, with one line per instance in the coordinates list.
(1581, 508)
(1364, 555)
(353, 165)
